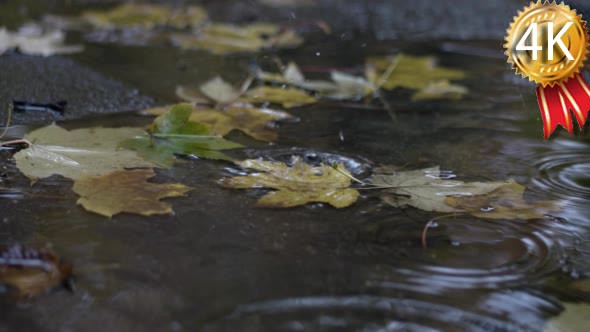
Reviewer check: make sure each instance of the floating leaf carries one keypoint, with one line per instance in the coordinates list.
(173, 133)
(126, 191)
(296, 185)
(226, 38)
(574, 318)
(441, 89)
(256, 122)
(36, 42)
(416, 73)
(28, 272)
(214, 91)
(288, 97)
(342, 86)
(426, 189)
(77, 153)
(506, 202)
(147, 16)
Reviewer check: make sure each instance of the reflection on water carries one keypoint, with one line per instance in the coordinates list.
(220, 265)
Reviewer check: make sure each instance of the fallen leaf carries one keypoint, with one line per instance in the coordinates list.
(225, 38)
(77, 153)
(574, 318)
(506, 202)
(416, 73)
(29, 272)
(147, 16)
(441, 90)
(288, 97)
(126, 191)
(36, 42)
(342, 86)
(256, 122)
(173, 133)
(426, 190)
(214, 91)
(295, 185)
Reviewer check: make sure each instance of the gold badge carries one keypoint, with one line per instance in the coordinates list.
(547, 42)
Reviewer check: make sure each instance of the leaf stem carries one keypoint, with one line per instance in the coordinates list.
(7, 120)
(430, 223)
(348, 175)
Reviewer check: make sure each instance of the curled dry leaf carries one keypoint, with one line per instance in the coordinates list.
(296, 185)
(225, 38)
(288, 97)
(426, 189)
(35, 42)
(342, 86)
(126, 191)
(77, 153)
(147, 16)
(28, 272)
(256, 122)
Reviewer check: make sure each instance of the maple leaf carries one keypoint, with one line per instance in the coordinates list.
(147, 16)
(416, 73)
(288, 97)
(574, 318)
(440, 89)
(226, 38)
(173, 133)
(76, 153)
(295, 185)
(35, 42)
(214, 91)
(427, 190)
(28, 272)
(256, 122)
(126, 191)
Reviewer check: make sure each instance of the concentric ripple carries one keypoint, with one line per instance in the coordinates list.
(464, 253)
(565, 172)
(357, 313)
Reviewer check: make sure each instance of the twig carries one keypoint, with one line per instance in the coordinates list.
(7, 120)
(16, 141)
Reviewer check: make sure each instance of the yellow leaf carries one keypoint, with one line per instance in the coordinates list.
(256, 122)
(126, 191)
(441, 89)
(225, 38)
(506, 202)
(147, 16)
(296, 185)
(288, 97)
(404, 71)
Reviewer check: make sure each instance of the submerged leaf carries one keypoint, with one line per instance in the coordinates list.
(29, 272)
(147, 16)
(36, 43)
(225, 38)
(416, 73)
(126, 191)
(426, 190)
(288, 97)
(256, 122)
(296, 185)
(173, 132)
(77, 153)
(506, 202)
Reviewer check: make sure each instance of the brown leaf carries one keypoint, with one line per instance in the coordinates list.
(29, 272)
(126, 191)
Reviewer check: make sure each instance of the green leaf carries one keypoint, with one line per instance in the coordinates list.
(176, 121)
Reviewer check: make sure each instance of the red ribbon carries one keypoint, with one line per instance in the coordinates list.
(557, 101)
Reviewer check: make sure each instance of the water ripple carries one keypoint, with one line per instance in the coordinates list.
(358, 313)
